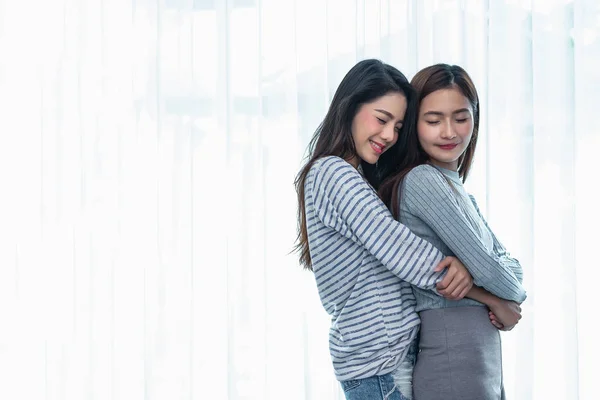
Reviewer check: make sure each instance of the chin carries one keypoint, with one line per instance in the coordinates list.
(445, 159)
(370, 159)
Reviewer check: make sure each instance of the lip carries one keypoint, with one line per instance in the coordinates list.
(447, 146)
(377, 147)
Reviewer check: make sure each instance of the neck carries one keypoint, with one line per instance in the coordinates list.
(452, 166)
(354, 161)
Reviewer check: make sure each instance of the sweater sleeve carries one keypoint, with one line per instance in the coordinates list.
(500, 251)
(344, 202)
(429, 196)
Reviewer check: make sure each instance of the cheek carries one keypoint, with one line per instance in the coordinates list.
(372, 124)
(465, 132)
(362, 126)
(425, 134)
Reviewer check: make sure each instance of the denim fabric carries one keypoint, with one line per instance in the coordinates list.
(403, 375)
(374, 388)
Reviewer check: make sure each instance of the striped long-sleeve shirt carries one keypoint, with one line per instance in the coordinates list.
(364, 263)
(436, 207)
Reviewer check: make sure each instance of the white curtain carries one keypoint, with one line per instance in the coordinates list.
(147, 154)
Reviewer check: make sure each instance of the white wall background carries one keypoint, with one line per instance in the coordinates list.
(147, 154)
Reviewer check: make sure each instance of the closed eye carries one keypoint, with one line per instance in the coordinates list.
(462, 120)
(433, 122)
(381, 121)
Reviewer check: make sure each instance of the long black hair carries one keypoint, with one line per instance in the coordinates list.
(364, 83)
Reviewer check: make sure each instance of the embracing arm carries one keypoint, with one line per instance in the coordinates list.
(428, 196)
(344, 202)
(503, 256)
(504, 314)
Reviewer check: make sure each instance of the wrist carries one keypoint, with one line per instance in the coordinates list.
(485, 297)
(492, 301)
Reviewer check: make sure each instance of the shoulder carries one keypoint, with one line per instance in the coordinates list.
(425, 184)
(332, 166)
(334, 176)
(424, 174)
(331, 162)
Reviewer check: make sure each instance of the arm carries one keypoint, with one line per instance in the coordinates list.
(482, 296)
(344, 202)
(504, 314)
(499, 249)
(428, 196)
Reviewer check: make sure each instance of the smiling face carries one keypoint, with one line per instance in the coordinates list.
(445, 126)
(376, 125)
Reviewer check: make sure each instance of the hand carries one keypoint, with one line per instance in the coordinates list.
(504, 314)
(494, 321)
(457, 282)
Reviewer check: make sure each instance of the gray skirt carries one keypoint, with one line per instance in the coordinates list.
(460, 356)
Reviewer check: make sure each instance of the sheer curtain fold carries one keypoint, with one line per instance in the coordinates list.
(147, 157)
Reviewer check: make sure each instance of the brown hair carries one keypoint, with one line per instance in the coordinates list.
(425, 82)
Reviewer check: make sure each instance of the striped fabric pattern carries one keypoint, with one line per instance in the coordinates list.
(364, 263)
(446, 216)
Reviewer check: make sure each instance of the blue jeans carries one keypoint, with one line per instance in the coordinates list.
(374, 388)
(404, 373)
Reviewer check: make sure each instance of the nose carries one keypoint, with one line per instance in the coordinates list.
(389, 133)
(448, 130)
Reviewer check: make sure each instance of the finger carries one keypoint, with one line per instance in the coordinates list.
(443, 264)
(455, 282)
(464, 292)
(456, 292)
(498, 325)
(495, 318)
(446, 281)
(451, 288)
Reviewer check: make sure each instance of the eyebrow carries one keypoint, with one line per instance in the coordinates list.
(441, 114)
(388, 114)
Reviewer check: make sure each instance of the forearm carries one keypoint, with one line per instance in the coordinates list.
(430, 199)
(483, 296)
(345, 203)
(504, 314)
(500, 250)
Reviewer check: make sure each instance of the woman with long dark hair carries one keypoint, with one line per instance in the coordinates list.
(459, 349)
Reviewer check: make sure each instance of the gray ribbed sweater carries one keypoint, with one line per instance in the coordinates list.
(435, 206)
